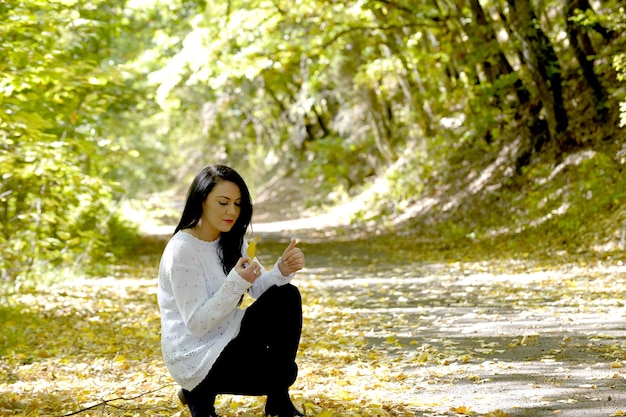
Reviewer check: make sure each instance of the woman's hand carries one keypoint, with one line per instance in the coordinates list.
(292, 259)
(251, 272)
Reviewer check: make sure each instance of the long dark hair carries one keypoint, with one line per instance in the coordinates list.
(204, 182)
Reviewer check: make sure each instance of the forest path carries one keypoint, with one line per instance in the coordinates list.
(437, 334)
(393, 328)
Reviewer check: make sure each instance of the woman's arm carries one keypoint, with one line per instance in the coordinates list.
(266, 278)
(201, 305)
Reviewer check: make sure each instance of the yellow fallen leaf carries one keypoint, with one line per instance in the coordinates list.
(252, 248)
(616, 364)
(618, 413)
(345, 395)
(325, 413)
(462, 410)
(496, 413)
(342, 382)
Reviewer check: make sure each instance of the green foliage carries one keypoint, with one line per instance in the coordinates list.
(13, 337)
(560, 205)
(595, 187)
(59, 89)
(619, 63)
(103, 99)
(330, 151)
(268, 74)
(391, 194)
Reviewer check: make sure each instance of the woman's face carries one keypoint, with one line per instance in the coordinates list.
(221, 208)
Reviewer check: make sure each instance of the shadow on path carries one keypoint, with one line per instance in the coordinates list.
(527, 339)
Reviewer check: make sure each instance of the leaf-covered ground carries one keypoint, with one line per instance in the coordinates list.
(390, 330)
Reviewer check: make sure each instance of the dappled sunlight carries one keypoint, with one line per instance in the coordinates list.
(458, 336)
(380, 339)
(561, 194)
(458, 193)
(479, 179)
(573, 160)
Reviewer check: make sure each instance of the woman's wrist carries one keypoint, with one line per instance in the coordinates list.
(282, 267)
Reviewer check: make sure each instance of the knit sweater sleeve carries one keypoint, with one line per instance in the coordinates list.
(203, 306)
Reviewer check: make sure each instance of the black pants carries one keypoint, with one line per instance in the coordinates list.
(261, 359)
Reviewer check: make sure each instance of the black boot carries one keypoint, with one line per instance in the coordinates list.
(181, 397)
(204, 412)
(203, 409)
(280, 405)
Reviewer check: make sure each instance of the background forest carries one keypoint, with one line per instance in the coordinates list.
(493, 121)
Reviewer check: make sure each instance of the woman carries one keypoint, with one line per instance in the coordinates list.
(210, 345)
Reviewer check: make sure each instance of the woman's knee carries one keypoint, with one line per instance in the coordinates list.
(289, 296)
(283, 292)
(291, 291)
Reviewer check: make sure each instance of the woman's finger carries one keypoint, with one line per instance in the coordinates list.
(292, 245)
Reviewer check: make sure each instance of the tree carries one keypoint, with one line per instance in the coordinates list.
(584, 51)
(106, 97)
(59, 87)
(540, 60)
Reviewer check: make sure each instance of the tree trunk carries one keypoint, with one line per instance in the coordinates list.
(381, 129)
(584, 51)
(501, 65)
(542, 64)
(409, 78)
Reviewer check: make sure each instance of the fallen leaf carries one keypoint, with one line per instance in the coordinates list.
(462, 410)
(496, 413)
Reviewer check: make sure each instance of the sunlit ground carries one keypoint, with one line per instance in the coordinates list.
(444, 338)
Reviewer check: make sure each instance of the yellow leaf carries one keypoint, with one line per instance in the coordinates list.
(345, 395)
(325, 413)
(342, 382)
(619, 413)
(462, 410)
(497, 413)
(252, 248)
(616, 364)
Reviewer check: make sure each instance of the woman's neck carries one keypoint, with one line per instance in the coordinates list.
(204, 233)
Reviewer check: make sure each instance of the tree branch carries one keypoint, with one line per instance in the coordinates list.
(105, 402)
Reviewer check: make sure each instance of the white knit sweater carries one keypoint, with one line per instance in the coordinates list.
(199, 305)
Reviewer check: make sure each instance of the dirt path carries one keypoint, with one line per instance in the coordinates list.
(463, 338)
(436, 337)
(391, 330)
(453, 336)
